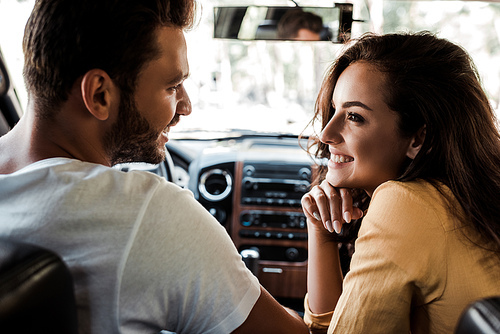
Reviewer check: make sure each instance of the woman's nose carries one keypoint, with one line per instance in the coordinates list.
(331, 133)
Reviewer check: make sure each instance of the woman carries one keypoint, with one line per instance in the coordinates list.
(413, 152)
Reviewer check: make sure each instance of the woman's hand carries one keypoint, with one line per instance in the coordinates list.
(326, 209)
(329, 207)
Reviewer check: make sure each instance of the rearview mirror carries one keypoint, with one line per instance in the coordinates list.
(285, 23)
(4, 79)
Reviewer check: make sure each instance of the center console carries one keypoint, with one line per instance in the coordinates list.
(255, 192)
(267, 218)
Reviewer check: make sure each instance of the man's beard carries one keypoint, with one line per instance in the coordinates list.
(132, 138)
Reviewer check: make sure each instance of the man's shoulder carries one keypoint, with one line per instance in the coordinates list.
(91, 178)
(89, 171)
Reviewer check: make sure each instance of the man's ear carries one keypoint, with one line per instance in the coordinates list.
(97, 93)
(416, 143)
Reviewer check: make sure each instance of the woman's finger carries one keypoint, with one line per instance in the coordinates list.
(357, 213)
(309, 207)
(347, 208)
(315, 204)
(331, 206)
(323, 204)
(335, 206)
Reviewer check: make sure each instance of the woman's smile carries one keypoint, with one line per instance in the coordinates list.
(340, 159)
(366, 147)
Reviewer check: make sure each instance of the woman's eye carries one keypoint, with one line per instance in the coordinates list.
(354, 117)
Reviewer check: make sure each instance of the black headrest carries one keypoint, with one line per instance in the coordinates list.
(481, 317)
(36, 291)
(268, 29)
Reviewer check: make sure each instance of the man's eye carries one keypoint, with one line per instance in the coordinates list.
(176, 87)
(354, 117)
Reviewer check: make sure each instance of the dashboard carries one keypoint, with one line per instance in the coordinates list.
(253, 186)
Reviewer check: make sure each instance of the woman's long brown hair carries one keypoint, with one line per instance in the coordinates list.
(432, 82)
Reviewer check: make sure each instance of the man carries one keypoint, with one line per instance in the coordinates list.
(299, 25)
(105, 84)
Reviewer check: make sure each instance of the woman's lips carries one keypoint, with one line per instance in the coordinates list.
(339, 159)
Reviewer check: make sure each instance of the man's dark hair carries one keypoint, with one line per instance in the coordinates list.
(295, 19)
(65, 38)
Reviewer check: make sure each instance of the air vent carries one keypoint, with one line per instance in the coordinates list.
(215, 184)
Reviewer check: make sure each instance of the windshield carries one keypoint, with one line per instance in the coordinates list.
(240, 87)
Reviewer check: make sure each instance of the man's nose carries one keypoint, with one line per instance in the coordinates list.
(184, 104)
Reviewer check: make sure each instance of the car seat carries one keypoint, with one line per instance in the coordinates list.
(481, 317)
(36, 291)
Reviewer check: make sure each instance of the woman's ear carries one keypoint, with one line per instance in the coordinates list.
(97, 93)
(416, 143)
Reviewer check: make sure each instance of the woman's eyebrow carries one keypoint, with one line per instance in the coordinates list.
(355, 104)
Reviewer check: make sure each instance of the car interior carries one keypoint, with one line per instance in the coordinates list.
(36, 291)
(9, 103)
(250, 180)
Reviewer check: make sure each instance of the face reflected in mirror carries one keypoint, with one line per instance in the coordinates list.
(4, 84)
(307, 35)
(256, 22)
(299, 25)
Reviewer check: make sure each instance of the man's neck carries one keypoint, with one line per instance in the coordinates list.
(32, 140)
(15, 147)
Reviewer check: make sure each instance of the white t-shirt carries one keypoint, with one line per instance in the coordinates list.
(144, 254)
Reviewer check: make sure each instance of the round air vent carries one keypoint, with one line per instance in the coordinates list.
(215, 184)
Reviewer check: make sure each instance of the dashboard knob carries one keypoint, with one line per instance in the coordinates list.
(249, 170)
(305, 173)
(248, 184)
(292, 253)
(246, 219)
(219, 214)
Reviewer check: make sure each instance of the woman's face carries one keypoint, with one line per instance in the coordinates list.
(366, 148)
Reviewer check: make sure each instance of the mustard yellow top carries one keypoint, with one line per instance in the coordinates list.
(413, 269)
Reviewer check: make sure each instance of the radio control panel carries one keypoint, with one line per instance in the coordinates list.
(273, 219)
(284, 187)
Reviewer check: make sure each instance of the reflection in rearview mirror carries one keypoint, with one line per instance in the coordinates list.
(4, 79)
(284, 23)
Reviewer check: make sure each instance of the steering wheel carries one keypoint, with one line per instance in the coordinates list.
(165, 169)
(168, 167)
